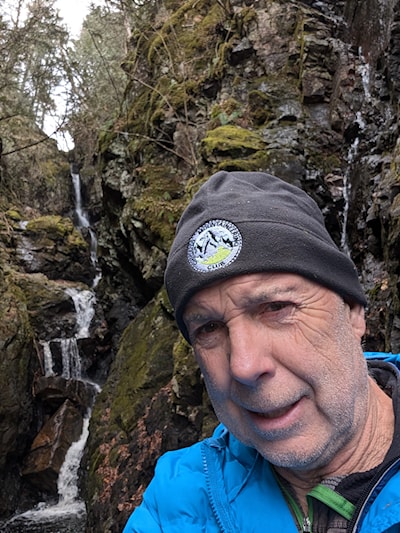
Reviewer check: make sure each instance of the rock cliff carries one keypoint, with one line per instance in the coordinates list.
(305, 90)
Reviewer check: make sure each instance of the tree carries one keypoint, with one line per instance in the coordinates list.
(33, 64)
(98, 81)
(33, 51)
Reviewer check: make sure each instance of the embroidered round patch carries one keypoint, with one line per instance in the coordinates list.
(215, 245)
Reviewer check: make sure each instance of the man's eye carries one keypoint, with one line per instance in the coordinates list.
(208, 332)
(210, 327)
(276, 306)
(278, 310)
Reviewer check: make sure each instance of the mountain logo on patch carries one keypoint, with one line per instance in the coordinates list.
(215, 245)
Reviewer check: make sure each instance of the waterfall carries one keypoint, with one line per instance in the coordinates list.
(68, 478)
(351, 157)
(83, 222)
(61, 357)
(69, 513)
(84, 302)
(48, 359)
(82, 218)
(364, 71)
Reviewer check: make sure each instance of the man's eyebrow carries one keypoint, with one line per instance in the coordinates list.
(191, 317)
(268, 295)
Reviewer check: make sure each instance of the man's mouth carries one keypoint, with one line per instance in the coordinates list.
(273, 414)
(276, 413)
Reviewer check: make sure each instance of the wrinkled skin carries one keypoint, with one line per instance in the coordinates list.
(284, 368)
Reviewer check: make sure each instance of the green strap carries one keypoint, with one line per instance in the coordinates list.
(334, 500)
(324, 494)
(293, 505)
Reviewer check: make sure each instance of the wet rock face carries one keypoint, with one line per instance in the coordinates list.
(16, 370)
(37, 312)
(46, 456)
(52, 246)
(304, 90)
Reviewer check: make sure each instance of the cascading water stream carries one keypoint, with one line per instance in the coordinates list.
(68, 514)
(84, 223)
(352, 154)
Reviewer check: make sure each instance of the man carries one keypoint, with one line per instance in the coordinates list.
(308, 439)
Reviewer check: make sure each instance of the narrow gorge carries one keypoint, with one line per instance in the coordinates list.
(305, 90)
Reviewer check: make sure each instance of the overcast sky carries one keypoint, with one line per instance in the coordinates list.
(73, 12)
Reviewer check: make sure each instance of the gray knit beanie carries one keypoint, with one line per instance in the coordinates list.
(248, 222)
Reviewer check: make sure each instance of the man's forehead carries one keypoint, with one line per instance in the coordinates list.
(252, 287)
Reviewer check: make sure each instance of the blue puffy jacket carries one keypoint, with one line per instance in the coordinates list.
(221, 486)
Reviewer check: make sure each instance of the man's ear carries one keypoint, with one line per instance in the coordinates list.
(357, 319)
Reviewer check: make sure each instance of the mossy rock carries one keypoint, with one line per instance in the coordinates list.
(227, 112)
(17, 358)
(56, 228)
(257, 162)
(144, 364)
(188, 33)
(231, 141)
(200, 30)
(14, 215)
(326, 163)
(42, 293)
(160, 203)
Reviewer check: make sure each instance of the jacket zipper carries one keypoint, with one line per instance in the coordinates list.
(306, 525)
(304, 522)
(217, 497)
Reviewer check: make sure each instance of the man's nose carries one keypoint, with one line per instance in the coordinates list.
(250, 352)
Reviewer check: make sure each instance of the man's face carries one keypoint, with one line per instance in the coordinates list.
(283, 365)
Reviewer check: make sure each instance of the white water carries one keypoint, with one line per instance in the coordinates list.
(84, 302)
(68, 477)
(68, 514)
(71, 360)
(84, 222)
(364, 70)
(47, 359)
(81, 215)
(69, 503)
(351, 156)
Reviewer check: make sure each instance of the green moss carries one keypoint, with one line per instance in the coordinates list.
(326, 163)
(39, 292)
(51, 223)
(187, 33)
(231, 140)
(143, 364)
(187, 50)
(259, 161)
(159, 206)
(260, 108)
(226, 112)
(245, 17)
(14, 215)
(55, 227)
(51, 169)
